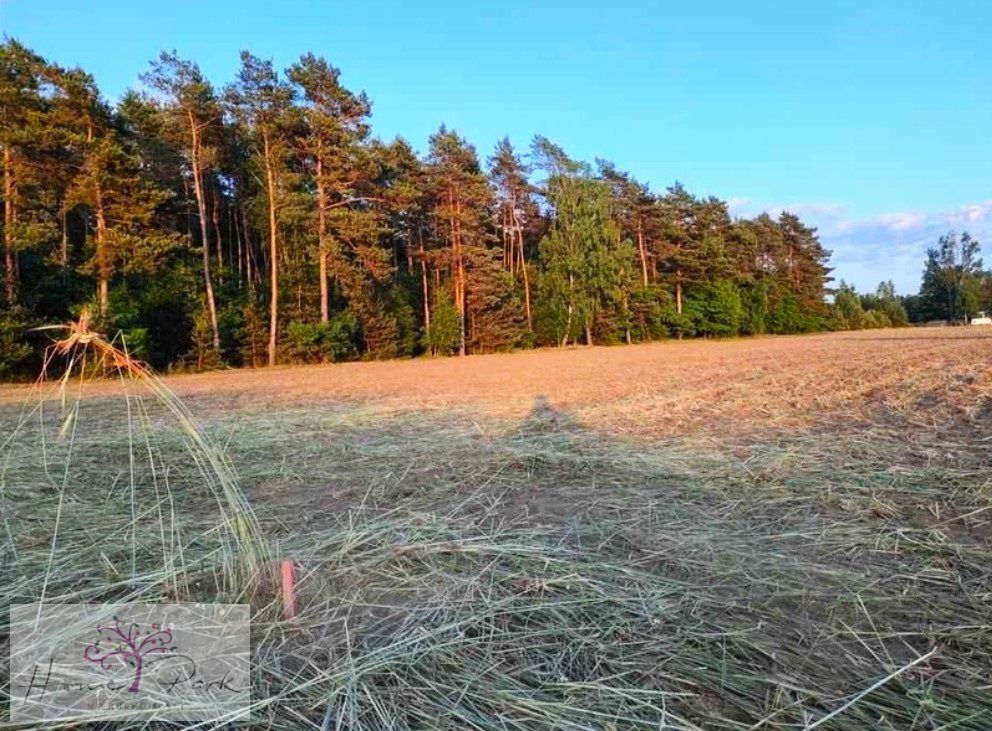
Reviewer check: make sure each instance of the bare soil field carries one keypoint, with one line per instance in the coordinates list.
(780, 533)
(654, 390)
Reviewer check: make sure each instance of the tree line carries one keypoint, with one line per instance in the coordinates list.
(262, 222)
(955, 287)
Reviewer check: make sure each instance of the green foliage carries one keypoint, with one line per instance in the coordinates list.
(787, 317)
(716, 309)
(584, 263)
(755, 300)
(444, 334)
(167, 310)
(848, 313)
(875, 319)
(142, 209)
(889, 307)
(852, 311)
(323, 342)
(125, 321)
(15, 348)
(495, 312)
(681, 324)
(552, 323)
(404, 342)
(253, 334)
(203, 356)
(231, 325)
(651, 312)
(951, 278)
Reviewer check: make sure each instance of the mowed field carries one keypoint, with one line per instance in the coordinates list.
(781, 532)
(662, 389)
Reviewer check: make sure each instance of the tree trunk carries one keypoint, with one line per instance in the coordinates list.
(251, 268)
(215, 215)
(201, 205)
(643, 253)
(507, 241)
(233, 222)
(571, 307)
(273, 253)
(459, 267)
(64, 250)
(423, 281)
(325, 307)
(10, 273)
(523, 270)
(102, 265)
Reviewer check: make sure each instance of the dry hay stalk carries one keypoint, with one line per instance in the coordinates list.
(88, 354)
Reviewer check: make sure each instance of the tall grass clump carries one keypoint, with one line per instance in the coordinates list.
(121, 496)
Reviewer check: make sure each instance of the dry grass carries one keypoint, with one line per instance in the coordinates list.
(654, 390)
(779, 533)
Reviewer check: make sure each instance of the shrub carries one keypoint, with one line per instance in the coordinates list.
(716, 309)
(755, 300)
(787, 317)
(15, 350)
(551, 320)
(253, 335)
(443, 337)
(320, 342)
(680, 324)
(875, 319)
(651, 312)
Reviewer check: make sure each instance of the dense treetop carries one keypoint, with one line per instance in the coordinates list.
(261, 222)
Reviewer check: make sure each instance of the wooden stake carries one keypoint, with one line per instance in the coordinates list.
(288, 590)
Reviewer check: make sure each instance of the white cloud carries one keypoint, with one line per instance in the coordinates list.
(901, 221)
(975, 213)
(736, 206)
(888, 245)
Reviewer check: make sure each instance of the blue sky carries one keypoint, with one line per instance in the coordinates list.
(872, 120)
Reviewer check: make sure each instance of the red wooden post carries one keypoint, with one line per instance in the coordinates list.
(288, 590)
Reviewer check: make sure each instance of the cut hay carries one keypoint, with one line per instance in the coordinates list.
(132, 516)
(469, 568)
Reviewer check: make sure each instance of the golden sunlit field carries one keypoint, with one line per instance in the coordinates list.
(779, 533)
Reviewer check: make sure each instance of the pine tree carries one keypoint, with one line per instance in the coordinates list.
(24, 125)
(333, 142)
(195, 114)
(699, 245)
(636, 213)
(402, 201)
(113, 188)
(678, 212)
(460, 208)
(805, 262)
(518, 216)
(262, 103)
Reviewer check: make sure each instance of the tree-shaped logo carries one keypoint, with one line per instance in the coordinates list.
(129, 644)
